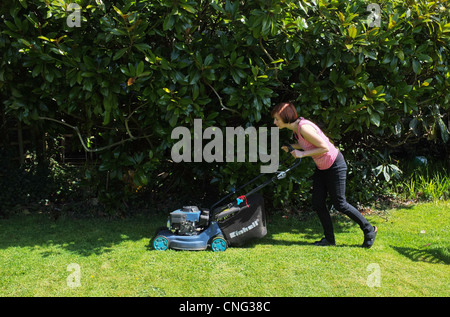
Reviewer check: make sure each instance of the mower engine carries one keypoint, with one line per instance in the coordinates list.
(188, 221)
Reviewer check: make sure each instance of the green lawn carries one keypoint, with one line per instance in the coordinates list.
(411, 257)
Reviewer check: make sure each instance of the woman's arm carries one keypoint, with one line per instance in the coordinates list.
(309, 134)
(295, 146)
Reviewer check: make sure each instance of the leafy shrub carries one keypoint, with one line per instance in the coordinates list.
(134, 70)
(32, 187)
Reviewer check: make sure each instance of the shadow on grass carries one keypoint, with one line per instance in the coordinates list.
(97, 236)
(426, 254)
(306, 231)
(79, 236)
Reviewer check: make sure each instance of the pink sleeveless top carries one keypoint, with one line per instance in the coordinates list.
(323, 161)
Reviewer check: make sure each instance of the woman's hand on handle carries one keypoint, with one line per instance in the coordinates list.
(295, 153)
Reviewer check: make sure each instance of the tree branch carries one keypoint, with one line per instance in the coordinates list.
(86, 148)
(220, 100)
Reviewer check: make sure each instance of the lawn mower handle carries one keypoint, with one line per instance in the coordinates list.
(280, 175)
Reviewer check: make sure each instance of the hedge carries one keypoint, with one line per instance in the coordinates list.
(123, 75)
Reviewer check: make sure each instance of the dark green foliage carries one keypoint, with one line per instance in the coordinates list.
(134, 70)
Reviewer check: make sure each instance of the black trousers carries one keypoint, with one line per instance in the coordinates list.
(332, 182)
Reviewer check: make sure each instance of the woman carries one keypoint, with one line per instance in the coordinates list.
(329, 176)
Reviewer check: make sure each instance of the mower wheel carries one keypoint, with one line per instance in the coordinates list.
(219, 244)
(160, 243)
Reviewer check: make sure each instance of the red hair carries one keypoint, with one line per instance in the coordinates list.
(286, 111)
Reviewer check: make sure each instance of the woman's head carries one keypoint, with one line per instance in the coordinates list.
(284, 112)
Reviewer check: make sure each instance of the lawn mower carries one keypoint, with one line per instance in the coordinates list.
(233, 224)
